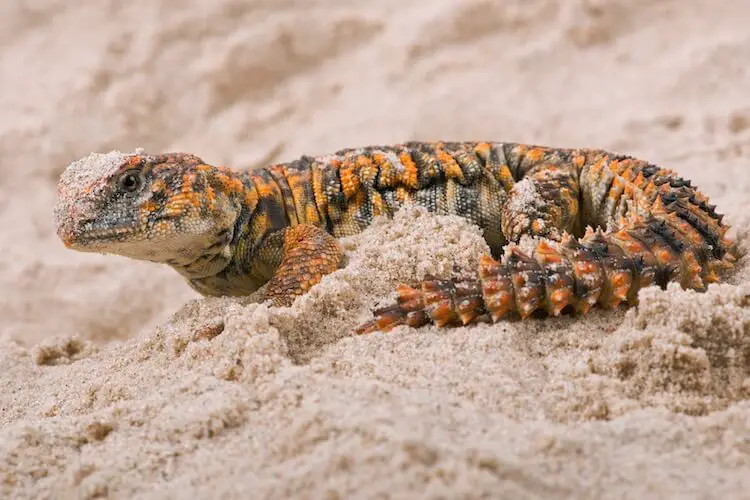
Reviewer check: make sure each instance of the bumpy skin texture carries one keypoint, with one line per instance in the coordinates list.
(230, 232)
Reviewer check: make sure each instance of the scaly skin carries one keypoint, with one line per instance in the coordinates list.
(230, 232)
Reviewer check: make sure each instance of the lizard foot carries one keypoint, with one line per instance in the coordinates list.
(309, 254)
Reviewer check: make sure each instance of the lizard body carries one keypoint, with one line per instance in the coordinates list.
(229, 232)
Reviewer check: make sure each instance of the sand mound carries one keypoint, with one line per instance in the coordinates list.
(119, 382)
(273, 402)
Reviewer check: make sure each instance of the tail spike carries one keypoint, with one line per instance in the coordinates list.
(386, 319)
(469, 303)
(527, 278)
(488, 266)
(410, 299)
(438, 301)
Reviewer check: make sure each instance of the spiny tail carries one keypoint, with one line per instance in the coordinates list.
(601, 268)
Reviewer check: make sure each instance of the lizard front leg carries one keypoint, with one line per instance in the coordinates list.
(544, 203)
(309, 253)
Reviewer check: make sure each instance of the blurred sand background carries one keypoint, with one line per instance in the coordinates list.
(110, 388)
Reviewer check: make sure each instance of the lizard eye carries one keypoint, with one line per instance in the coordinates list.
(130, 181)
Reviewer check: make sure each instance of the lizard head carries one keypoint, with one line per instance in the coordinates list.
(160, 208)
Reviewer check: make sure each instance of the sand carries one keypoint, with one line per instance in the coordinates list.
(115, 380)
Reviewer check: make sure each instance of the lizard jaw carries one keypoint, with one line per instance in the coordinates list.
(92, 235)
(117, 242)
(190, 254)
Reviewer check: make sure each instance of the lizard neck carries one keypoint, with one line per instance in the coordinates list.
(228, 200)
(253, 246)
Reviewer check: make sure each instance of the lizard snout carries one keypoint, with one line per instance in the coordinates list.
(68, 231)
(71, 221)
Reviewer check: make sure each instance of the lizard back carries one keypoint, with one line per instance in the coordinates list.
(343, 192)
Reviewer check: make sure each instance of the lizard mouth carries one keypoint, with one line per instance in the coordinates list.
(83, 236)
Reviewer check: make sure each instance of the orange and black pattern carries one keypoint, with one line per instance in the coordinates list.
(342, 192)
(607, 224)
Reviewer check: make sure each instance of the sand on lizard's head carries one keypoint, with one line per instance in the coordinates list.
(79, 185)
